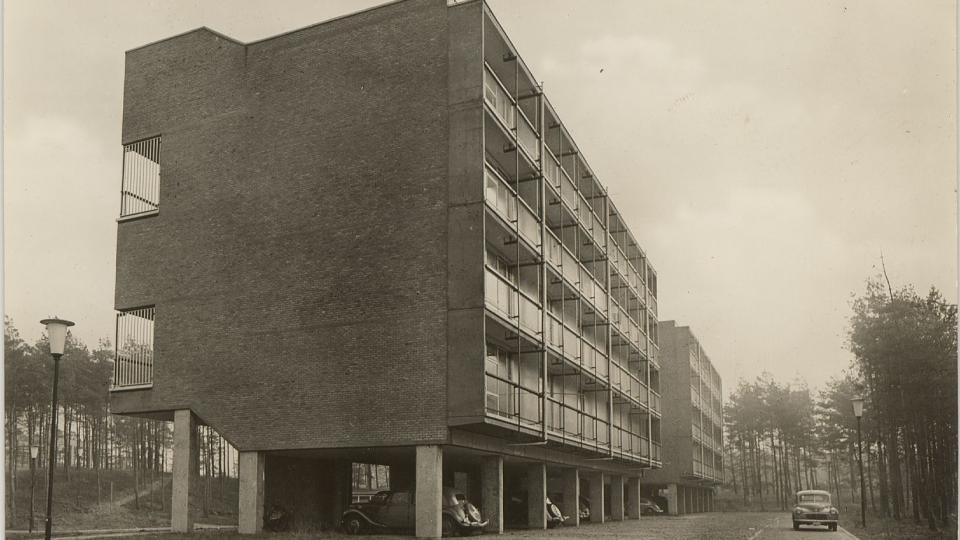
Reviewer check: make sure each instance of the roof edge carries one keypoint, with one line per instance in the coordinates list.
(181, 34)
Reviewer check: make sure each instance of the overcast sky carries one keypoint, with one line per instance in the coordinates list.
(763, 152)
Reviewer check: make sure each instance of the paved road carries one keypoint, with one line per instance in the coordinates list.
(721, 526)
(713, 526)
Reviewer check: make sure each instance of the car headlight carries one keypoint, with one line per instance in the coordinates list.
(834, 510)
(798, 510)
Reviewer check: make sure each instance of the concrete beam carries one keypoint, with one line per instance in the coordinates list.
(571, 496)
(491, 483)
(186, 463)
(251, 493)
(616, 498)
(596, 497)
(537, 496)
(429, 486)
(633, 498)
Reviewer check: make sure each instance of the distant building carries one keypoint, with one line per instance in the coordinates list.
(373, 240)
(693, 433)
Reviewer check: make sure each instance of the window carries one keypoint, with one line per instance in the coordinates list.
(134, 362)
(140, 188)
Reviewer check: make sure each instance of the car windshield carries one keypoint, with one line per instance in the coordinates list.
(814, 498)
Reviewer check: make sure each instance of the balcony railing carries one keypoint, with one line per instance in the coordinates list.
(140, 188)
(510, 302)
(510, 400)
(654, 401)
(499, 99)
(527, 137)
(508, 205)
(134, 362)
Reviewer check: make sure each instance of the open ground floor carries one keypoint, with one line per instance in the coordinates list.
(677, 498)
(514, 483)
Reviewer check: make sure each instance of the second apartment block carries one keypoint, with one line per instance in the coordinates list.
(693, 436)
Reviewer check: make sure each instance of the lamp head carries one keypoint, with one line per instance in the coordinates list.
(57, 331)
(34, 451)
(857, 406)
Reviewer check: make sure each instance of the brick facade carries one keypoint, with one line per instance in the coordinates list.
(297, 260)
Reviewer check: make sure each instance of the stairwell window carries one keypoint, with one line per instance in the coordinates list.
(134, 363)
(140, 189)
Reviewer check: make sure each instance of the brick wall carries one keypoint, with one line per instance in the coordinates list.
(298, 262)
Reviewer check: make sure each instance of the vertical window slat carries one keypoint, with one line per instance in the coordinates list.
(140, 187)
(134, 357)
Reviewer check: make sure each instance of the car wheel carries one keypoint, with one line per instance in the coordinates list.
(353, 525)
(648, 511)
(447, 526)
(833, 526)
(796, 526)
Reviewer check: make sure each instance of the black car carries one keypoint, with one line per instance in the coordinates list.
(395, 511)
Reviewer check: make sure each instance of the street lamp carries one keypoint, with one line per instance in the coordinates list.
(34, 453)
(858, 412)
(57, 332)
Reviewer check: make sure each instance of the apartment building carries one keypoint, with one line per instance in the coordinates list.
(693, 436)
(374, 240)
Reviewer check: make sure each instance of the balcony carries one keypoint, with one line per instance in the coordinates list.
(511, 208)
(655, 402)
(512, 402)
(140, 188)
(511, 303)
(133, 368)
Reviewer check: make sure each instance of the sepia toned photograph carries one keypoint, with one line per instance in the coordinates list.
(489, 268)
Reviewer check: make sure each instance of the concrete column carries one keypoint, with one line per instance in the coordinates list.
(251, 493)
(537, 496)
(342, 486)
(571, 496)
(673, 499)
(492, 485)
(186, 463)
(429, 484)
(616, 497)
(633, 498)
(596, 497)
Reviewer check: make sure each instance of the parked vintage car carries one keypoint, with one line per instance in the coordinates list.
(395, 510)
(814, 508)
(515, 512)
(584, 505)
(649, 508)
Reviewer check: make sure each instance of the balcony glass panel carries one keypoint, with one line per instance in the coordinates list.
(554, 332)
(529, 406)
(529, 225)
(500, 295)
(554, 251)
(571, 344)
(551, 170)
(498, 99)
(501, 396)
(500, 197)
(654, 401)
(530, 317)
(528, 138)
(568, 192)
(571, 269)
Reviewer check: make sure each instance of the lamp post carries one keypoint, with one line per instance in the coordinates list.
(57, 332)
(858, 412)
(34, 453)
